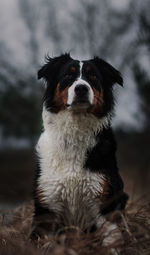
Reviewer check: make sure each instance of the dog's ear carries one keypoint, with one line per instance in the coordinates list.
(109, 74)
(52, 66)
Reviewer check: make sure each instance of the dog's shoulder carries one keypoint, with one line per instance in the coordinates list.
(102, 158)
(102, 155)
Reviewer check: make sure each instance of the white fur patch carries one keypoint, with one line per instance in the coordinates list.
(79, 81)
(81, 65)
(62, 149)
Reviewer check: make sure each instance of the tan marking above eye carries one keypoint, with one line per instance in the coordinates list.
(60, 97)
(93, 77)
(73, 69)
(88, 68)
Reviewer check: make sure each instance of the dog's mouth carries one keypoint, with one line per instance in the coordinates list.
(79, 105)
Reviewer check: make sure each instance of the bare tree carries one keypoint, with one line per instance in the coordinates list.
(30, 14)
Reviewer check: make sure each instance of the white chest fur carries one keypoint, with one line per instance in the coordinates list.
(62, 150)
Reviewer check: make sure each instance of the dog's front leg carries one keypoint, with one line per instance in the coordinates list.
(44, 223)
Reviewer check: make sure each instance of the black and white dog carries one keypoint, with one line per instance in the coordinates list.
(77, 181)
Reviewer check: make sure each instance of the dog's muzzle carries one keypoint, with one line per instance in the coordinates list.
(81, 90)
(81, 94)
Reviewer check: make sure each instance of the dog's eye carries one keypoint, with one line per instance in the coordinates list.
(93, 77)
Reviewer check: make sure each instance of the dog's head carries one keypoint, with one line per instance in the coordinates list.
(79, 86)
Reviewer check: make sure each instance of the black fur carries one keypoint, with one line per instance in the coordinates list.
(103, 156)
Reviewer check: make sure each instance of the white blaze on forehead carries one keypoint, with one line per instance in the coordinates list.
(79, 81)
(81, 65)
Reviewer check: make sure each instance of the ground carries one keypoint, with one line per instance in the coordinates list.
(134, 224)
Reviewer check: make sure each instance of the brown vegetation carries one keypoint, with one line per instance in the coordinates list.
(15, 228)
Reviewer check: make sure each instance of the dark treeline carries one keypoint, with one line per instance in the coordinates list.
(86, 28)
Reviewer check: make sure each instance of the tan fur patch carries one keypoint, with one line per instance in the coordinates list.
(39, 195)
(61, 97)
(103, 195)
(93, 77)
(88, 68)
(106, 188)
(73, 69)
(98, 102)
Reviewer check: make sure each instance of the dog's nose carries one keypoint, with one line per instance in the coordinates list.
(81, 90)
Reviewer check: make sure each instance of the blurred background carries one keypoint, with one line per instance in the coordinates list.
(116, 30)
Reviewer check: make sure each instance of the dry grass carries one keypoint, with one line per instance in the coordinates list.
(15, 227)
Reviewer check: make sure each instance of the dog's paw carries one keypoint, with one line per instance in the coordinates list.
(38, 233)
(111, 233)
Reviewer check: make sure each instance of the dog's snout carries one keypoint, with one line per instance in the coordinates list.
(81, 90)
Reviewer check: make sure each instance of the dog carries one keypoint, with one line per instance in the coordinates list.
(77, 181)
